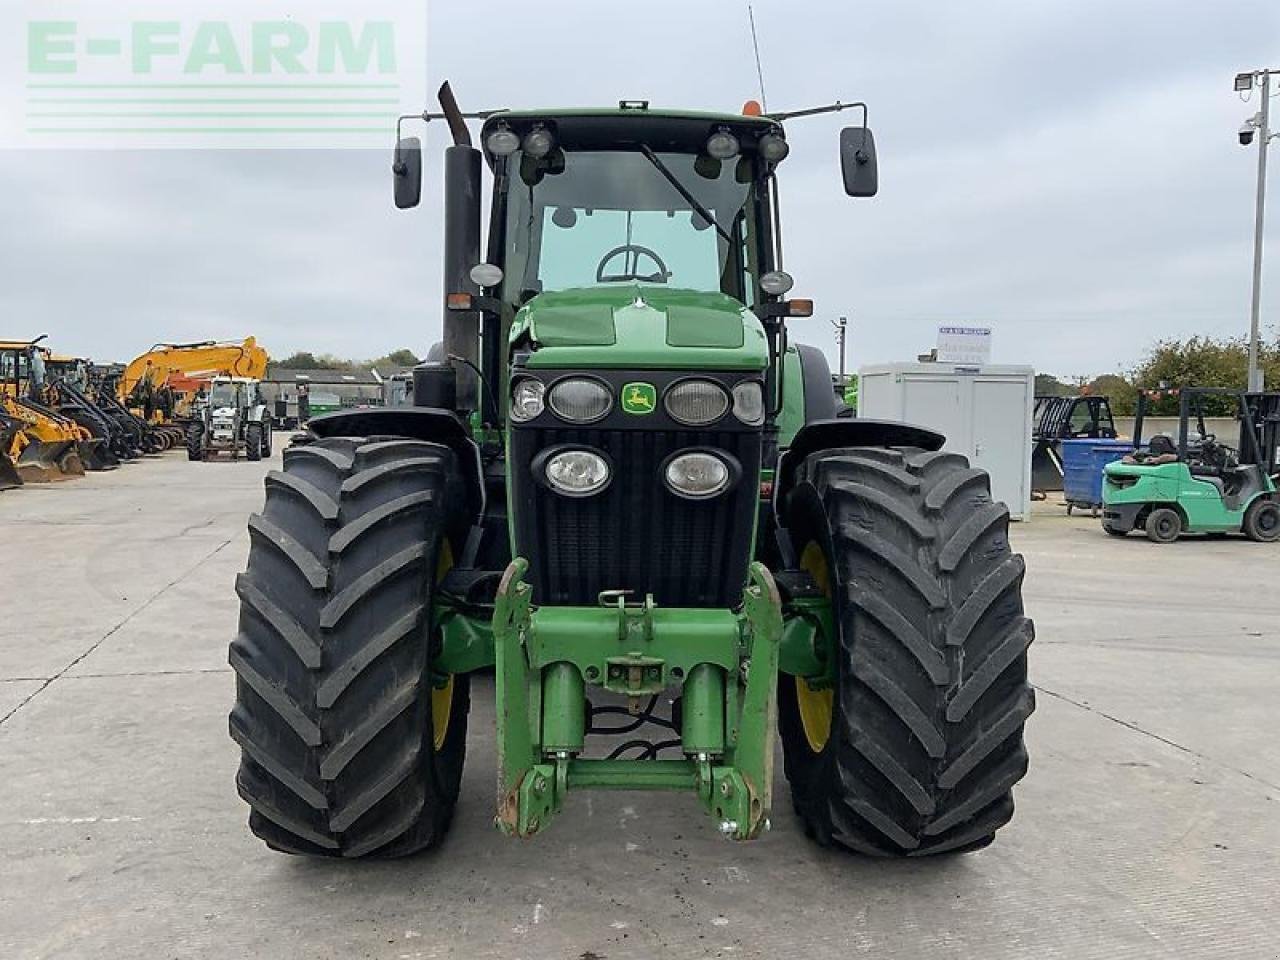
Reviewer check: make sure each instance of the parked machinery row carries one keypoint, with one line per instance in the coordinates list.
(61, 415)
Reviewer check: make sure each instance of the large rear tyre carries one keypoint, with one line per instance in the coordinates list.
(350, 745)
(1262, 521)
(195, 442)
(915, 748)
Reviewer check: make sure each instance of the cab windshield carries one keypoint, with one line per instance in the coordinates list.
(224, 394)
(605, 217)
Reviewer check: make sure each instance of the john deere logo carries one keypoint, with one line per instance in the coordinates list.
(639, 398)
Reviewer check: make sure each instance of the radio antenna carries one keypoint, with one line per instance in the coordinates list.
(755, 45)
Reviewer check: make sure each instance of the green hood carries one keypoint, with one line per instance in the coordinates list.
(641, 325)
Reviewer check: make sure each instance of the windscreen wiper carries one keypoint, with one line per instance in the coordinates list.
(689, 198)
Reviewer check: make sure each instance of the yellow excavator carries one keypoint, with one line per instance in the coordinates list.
(44, 445)
(162, 384)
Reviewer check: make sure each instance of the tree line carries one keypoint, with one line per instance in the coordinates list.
(1196, 362)
(306, 360)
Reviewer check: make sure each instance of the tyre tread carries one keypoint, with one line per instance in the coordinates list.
(333, 713)
(932, 694)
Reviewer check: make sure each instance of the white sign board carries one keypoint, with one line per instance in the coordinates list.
(964, 345)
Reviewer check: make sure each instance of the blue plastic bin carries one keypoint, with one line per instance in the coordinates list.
(1082, 463)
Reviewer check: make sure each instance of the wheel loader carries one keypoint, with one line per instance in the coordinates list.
(54, 446)
(622, 487)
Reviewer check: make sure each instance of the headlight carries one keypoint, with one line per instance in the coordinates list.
(776, 282)
(503, 141)
(697, 475)
(577, 473)
(748, 402)
(580, 400)
(722, 145)
(526, 399)
(538, 142)
(773, 148)
(696, 403)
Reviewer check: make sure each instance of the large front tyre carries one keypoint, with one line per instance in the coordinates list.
(350, 745)
(195, 441)
(915, 747)
(253, 441)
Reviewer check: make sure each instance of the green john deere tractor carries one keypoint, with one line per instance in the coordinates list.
(622, 487)
(1197, 484)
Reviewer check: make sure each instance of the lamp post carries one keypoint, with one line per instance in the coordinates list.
(842, 326)
(1258, 124)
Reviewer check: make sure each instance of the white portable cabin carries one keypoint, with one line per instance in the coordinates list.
(983, 411)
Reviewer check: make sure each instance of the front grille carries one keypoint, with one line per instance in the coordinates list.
(636, 535)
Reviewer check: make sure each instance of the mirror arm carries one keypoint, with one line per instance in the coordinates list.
(814, 111)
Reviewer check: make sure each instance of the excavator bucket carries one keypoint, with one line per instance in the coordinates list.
(43, 461)
(94, 454)
(9, 475)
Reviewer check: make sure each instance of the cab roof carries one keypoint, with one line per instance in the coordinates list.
(635, 112)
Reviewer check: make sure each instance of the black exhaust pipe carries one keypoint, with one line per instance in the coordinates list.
(461, 253)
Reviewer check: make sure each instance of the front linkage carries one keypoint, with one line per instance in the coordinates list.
(725, 661)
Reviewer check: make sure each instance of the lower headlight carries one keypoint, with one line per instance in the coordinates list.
(577, 473)
(697, 475)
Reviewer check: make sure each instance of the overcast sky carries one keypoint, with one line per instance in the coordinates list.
(1065, 172)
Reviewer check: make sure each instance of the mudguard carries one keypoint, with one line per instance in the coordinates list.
(418, 423)
(826, 434)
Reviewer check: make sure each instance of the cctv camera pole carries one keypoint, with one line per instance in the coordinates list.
(1255, 373)
(841, 330)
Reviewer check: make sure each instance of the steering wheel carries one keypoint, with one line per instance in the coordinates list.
(635, 251)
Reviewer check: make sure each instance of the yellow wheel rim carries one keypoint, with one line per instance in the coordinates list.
(441, 708)
(442, 697)
(815, 705)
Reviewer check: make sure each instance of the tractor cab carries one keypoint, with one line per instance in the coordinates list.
(23, 368)
(1197, 482)
(619, 198)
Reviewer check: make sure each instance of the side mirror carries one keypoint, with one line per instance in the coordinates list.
(858, 162)
(407, 168)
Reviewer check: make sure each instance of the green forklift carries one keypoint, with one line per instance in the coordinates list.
(1197, 484)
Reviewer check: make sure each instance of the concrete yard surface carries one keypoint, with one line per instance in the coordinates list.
(1148, 827)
